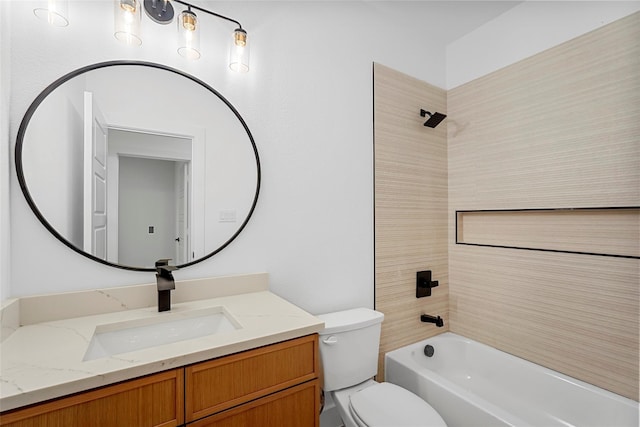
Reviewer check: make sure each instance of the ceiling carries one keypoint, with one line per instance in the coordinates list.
(448, 19)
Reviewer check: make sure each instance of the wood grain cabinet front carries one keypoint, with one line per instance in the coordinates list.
(224, 383)
(275, 385)
(298, 406)
(155, 400)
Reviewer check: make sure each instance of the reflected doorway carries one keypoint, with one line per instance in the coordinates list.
(151, 209)
(149, 197)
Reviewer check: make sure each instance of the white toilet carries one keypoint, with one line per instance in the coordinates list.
(349, 353)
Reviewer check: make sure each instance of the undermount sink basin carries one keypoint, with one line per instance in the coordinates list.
(124, 337)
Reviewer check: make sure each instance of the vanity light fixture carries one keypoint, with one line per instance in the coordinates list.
(128, 17)
(127, 28)
(55, 12)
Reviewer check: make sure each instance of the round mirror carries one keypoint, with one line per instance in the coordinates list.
(130, 162)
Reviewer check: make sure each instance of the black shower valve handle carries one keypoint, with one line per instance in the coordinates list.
(424, 284)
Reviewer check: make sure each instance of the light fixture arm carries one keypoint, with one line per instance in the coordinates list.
(226, 18)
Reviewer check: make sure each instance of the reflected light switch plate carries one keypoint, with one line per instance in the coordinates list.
(228, 215)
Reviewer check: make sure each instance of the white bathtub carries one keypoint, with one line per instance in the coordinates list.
(474, 385)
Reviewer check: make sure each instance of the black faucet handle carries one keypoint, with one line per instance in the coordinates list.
(163, 265)
(424, 284)
(163, 262)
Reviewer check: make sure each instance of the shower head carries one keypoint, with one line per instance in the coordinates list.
(434, 119)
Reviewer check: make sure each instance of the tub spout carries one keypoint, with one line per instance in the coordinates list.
(432, 319)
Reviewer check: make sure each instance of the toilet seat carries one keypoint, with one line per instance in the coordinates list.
(388, 405)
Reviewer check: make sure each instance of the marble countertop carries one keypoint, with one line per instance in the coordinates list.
(44, 360)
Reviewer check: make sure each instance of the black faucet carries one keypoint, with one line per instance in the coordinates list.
(432, 319)
(166, 283)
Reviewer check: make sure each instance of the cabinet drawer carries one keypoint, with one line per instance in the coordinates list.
(297, 406)
(223, 383)
(156, 400)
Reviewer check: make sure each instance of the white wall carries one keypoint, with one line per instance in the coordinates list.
(146, 198)
(525, 30)
(5, 153)
(58, 122)
(308, 103)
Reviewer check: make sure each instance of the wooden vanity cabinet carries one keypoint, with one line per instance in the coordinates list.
(155, 400)
(276, 385)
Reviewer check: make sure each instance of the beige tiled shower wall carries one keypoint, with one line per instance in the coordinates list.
(560, 129)
(410, 207)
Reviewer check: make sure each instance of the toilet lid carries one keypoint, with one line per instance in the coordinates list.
(388, 405)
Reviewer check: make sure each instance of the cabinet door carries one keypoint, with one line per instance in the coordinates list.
(223, 383)
(297, 406)
(155, 400)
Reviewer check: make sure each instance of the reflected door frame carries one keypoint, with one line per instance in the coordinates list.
(94, 210)
(196, 193)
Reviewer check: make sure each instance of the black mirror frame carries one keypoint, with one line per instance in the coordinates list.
(33, 107)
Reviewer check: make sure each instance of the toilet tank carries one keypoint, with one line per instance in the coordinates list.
(349, 347)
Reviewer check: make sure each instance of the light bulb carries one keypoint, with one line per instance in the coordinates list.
(55, 13)
(127, 22)
(189, 34)
(239, 52)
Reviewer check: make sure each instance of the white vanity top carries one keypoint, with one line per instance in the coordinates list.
(42, 352)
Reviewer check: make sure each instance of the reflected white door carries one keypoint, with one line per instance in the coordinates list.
(182, 212)
(95, 180)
